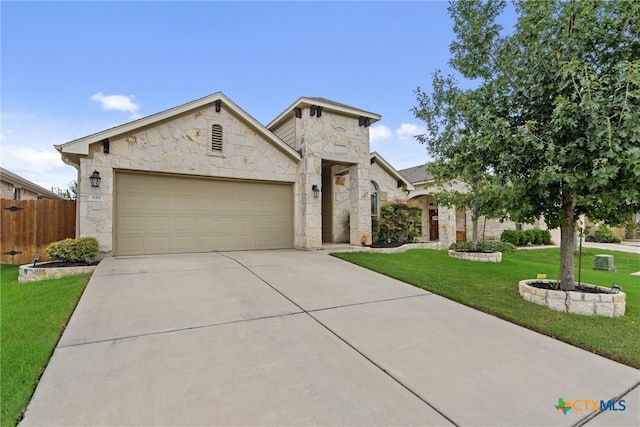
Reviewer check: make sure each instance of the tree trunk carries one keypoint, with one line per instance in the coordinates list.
(474, 229)
(567, 245)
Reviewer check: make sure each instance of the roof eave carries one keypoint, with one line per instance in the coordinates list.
(305, 102)
(81, 146)
(390, 169)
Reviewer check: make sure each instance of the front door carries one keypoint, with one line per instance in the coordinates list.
(433, 225)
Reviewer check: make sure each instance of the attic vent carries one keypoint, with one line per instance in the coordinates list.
(216, 138)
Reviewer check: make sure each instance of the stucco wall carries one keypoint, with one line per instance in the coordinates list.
(178, 146)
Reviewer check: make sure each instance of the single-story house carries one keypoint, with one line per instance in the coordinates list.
(207, 176)
(15, 187)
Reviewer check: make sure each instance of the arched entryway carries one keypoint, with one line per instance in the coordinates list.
(429, 229)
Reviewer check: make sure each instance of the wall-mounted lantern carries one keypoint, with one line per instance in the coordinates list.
(95, 179)
(316, 190)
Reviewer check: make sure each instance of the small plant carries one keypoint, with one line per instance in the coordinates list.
(604, 234)
(73, 250)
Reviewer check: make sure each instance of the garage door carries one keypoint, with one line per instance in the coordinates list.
(158, 214)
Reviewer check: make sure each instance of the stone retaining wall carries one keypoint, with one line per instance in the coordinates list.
(29, 273)
(607, 304)
(477, 256)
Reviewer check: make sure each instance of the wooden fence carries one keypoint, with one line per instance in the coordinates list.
(28, 226)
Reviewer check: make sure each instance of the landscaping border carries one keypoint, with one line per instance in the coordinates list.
(607, 304)
(29, 273)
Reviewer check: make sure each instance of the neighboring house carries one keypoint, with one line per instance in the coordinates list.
(15, 187)
(206, 176)
(448, 225)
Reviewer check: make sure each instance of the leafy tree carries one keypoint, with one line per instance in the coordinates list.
(558, 104)
(456, 144)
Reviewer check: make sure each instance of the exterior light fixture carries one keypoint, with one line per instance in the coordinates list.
(95, 179)
(316, 190)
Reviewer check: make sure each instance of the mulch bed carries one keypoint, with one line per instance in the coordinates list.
(387, 245)
(579, 288)
(57, 264)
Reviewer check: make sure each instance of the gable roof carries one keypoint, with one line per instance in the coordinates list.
(20, 182)
(333, 106)
(416, 174)
(81, 146)
(377, 158)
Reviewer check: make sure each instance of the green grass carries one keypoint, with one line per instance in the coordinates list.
(32, 320)
(493, 288)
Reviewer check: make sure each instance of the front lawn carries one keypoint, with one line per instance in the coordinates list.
(493, 288)
(33, 318)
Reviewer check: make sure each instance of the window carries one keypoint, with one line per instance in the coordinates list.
(16, 193)
(518, 226)
(374, 198)
(216, 139)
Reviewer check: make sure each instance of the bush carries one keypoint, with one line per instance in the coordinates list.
(398, 223)
(604, 234)
(483, 247)
(73, 250)
(510, 236)
(523, 237)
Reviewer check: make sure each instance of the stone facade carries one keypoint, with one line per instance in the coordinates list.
(313, 142)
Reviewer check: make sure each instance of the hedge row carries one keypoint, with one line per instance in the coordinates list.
(525, 237)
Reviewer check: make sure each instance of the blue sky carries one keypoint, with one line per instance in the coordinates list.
(70, 69)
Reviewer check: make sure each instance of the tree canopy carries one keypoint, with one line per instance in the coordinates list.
(555, 115)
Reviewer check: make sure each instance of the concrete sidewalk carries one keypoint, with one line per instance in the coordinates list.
(301, 338)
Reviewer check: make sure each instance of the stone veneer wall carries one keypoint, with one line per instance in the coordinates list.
(178, 146)
(335, 138)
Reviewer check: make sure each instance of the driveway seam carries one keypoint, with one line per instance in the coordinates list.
(169, 331)
(348, 343)
(315, 310)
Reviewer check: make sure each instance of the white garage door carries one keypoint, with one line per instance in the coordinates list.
(160, 214)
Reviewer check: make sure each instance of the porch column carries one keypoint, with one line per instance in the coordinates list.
(360, 203)
(309, 231)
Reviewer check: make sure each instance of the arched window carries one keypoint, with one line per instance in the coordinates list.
(374, 198)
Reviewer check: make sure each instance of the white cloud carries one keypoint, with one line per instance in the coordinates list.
(118, 103)
(27, 146)
(399, 147)
(379, 133)
(409, 131)
(30, 159)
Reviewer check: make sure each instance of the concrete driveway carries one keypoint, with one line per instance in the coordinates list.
(301, 338)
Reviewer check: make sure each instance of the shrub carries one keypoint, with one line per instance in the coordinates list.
(510, 236)
(483, 246)
(604, 234)
(529, 237)
(73, 250)
(522, 237)
(397, 223)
